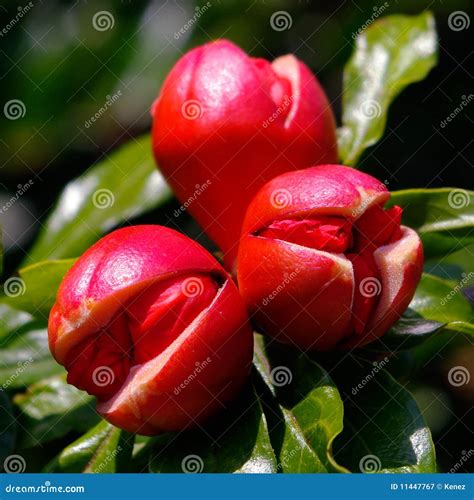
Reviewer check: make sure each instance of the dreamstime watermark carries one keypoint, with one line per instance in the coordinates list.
(459, 20)
(192, 464)
(281, 20)
(458, 199)
(14, 109)
(199, 11)
(369, 464)
(192, 287)
(47, 487)
(465, 456)
(200, 188)
(286, 459)
(21, 190)
(103, 198)
(192, 109)
(22, 366)
(108, 459)
(466, 100)
(462, 283)
(103, 20)
(370, 287)
(103, 376)
(287, 279)
(22, 11)
(280, 198)
(377, 366)
(198, 368)
(370, 108)
(14, 287)
(281, 376)
(110, 101)
(377, 12)
(14, 464)
(368, 200)
(286, 103)
(459, 376)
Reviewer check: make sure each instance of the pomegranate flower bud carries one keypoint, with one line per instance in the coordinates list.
(226, 123)
(322, 264)
(149, 323)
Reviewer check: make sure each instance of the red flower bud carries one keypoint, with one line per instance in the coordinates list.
(149, 323)
(226, 123)
(321, 263)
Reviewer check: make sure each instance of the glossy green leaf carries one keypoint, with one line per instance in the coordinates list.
(409, 331)
(384, 430)
(52, 408)
(8, 428)
(441, 311)
(443, 217)
(104, 449)
(124, 185)
(440, 300)
(459, 262)
(142, 449)
(26, 359)
(390, 54)
(305, 414)
(235, 441)
(12, 321)
(36, 286)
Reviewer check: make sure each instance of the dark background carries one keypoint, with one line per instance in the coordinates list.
(62, 69)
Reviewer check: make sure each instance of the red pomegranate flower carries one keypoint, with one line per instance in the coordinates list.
(321, 263)
(149, 323)
(226, 123)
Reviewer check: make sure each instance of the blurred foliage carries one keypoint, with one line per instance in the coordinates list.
(64, 71)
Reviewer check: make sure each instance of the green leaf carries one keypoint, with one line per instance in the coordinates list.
(438, 306)
(7, 426)
(12, 321)
(124, 185)
(440, 300)
(389, 55)
(384, 430)
(306, 411)
(459, 264)
(235, 441)
(142, 448)
(409, 331)
(37, 286)
(52, 408)
(26, 359)
(104, 449)
(443, 217)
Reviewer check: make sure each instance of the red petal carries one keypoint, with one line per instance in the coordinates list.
(164, 310)
(277, 87)
(367, 289)
(150, 323)
(331, 234)
(100, 363)
(377, 227)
